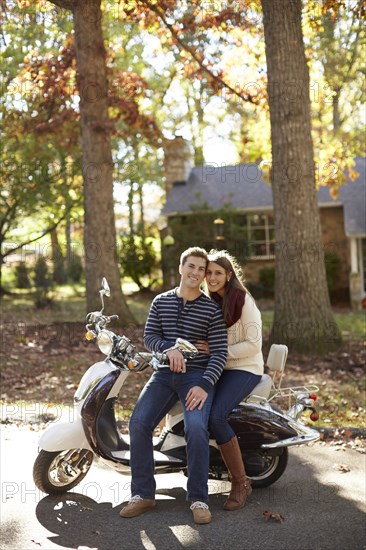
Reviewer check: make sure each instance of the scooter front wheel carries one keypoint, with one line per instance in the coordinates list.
(57, 472)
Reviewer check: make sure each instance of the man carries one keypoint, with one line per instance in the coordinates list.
(188, 313)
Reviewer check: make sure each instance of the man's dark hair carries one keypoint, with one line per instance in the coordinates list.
(193, 251)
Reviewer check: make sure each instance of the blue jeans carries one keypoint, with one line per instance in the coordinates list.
(158, 396)
(232, 387)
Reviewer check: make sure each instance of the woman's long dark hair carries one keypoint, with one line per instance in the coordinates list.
(234, 296)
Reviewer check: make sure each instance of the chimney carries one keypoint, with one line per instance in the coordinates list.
(177, 162)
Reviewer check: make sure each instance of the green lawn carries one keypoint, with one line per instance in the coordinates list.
(69, 305)
(352, 324)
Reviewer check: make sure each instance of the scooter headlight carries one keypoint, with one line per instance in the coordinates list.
(105, 341)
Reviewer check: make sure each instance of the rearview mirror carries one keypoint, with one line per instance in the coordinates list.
(105, 291)
(105, 287)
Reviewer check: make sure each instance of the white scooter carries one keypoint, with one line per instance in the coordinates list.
(264, 432)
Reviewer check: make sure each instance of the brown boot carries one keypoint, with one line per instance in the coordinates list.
(240, 483)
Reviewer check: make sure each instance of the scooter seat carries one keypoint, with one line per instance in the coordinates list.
(261, 390)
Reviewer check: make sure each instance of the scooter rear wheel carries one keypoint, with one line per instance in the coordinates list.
(273, 470)
(56, 473)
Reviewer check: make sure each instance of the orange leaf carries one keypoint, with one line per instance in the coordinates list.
(273, 515)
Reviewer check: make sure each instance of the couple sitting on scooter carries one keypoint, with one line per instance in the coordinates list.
(226, 329)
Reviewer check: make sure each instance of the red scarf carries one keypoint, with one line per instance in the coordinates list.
(236, 299)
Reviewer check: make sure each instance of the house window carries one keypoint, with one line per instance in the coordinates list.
(257, 232)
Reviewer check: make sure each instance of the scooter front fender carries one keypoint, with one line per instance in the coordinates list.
(62, 436)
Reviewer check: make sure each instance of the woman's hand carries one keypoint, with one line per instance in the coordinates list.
(196, 397)
(203, 346)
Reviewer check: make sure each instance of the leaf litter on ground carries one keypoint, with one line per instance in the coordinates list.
(46, 363)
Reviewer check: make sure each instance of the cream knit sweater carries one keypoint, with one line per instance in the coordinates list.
(245, 340)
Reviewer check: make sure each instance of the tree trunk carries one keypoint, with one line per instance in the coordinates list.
(68, 244)
(142, 211)
(336, 115)
(199, 158)
(55, 246)
(99, 232)
(303, 318)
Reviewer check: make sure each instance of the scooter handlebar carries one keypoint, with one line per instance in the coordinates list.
(112, 318)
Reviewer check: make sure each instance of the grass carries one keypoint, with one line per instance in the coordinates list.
(352, 324)
(68, 304)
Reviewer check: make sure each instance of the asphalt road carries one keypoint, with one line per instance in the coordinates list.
(322, 507)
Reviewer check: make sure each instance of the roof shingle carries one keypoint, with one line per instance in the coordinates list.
(241, 187)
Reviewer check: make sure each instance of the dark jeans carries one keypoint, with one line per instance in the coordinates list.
(158, 396)
(231, 388)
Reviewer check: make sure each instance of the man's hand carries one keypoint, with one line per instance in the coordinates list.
(177, 362)
(196, 397)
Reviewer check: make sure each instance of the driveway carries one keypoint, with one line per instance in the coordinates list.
(323, 507)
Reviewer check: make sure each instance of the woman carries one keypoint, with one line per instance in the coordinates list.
(244, 366)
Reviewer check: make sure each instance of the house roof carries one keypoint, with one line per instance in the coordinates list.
(240, 186)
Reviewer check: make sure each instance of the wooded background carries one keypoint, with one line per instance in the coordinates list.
(92, 89)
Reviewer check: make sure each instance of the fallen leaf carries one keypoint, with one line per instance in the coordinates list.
(273, 515)
(343, 468)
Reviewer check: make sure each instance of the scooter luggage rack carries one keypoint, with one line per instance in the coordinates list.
(276, 362)
(292, 393)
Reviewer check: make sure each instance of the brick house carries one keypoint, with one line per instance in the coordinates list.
(230, 207)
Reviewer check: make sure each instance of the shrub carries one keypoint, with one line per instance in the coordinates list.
(42, 282)
(267, 281)
(332, 268)
(138, 260)
(59, 273)
(22, 276)
(76, 269)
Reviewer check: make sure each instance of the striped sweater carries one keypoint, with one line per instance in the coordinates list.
(200, 319)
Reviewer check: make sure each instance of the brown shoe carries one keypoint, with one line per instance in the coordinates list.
(240, 490)
(201, 512)
(137, 506)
